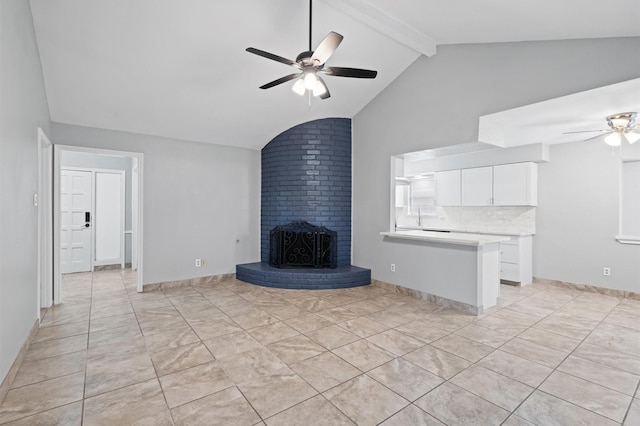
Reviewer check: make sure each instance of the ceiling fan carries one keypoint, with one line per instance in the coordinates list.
(621, 125)
(311, 63)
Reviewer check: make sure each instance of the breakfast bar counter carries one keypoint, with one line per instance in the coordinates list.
(457, 266)
(461, 238)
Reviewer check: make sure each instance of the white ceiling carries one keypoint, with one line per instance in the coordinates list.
(489, 21)
(179, 68)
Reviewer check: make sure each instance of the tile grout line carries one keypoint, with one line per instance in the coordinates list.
(86, 362)
(88, 340)
(553, 370)
(537, 388)
(235, 385)
(164, 395)
(580, 378)
(445, 380)
(365, 373)
(626, 414)
(302, 378)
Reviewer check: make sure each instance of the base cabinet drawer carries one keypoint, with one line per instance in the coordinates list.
(516, 259)
(509, 271)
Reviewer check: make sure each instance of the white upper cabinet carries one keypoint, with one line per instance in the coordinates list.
(477, 186)
(504, 185)
(448, 188)
(515, 184)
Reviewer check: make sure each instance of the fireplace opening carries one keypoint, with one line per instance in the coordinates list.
(301, 244)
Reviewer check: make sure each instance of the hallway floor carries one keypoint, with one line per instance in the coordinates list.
(236, 354)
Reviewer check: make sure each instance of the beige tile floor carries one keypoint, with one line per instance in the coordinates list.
(237, 354)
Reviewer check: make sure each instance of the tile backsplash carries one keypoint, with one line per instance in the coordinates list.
(521, 219)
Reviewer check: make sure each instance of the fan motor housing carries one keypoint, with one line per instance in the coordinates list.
(305, 58)
(622, 122)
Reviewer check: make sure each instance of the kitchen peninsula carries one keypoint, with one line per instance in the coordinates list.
(462, 221)
(460, 267)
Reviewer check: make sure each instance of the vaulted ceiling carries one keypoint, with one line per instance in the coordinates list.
(179, 69)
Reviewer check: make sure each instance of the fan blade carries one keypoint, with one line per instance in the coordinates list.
(584, 131)
(327, 47)
(595, 137)
(326, 93)
(272, 57)
(350, 72)
(280, 81)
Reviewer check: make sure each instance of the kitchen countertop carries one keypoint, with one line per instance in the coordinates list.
(459, 238)
(464, 231)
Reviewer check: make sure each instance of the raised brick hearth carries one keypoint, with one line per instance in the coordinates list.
(312, 279)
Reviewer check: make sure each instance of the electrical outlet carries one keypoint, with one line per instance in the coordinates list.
(198, 263)
(606, 271)
(393, 267)
(203, 262)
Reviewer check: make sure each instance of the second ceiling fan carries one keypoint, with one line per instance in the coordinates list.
(621, 126)
(311, 63)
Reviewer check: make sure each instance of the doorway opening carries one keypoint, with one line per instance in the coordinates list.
(97, 213)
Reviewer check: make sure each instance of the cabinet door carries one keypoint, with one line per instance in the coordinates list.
(448, 188)
(477, 186)
(515, 184)
(509, 253)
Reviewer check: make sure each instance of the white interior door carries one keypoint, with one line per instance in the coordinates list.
(109, 220)
(75, 221)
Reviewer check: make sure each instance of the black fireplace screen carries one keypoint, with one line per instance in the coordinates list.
(303, 245)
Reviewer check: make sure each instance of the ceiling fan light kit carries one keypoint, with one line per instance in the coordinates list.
(614, 139)
(310, 63)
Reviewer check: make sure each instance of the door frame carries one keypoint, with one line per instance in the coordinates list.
(137, 215)
(45, 221)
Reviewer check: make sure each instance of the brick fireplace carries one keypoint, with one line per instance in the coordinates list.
(306, 176)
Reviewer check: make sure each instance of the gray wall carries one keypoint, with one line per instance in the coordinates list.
(437, 102)
(200, 201)
(23, 108)
(96, 161)
(577, 218)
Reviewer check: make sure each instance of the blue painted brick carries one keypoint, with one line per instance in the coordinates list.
(306, 175)
(342, 277)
